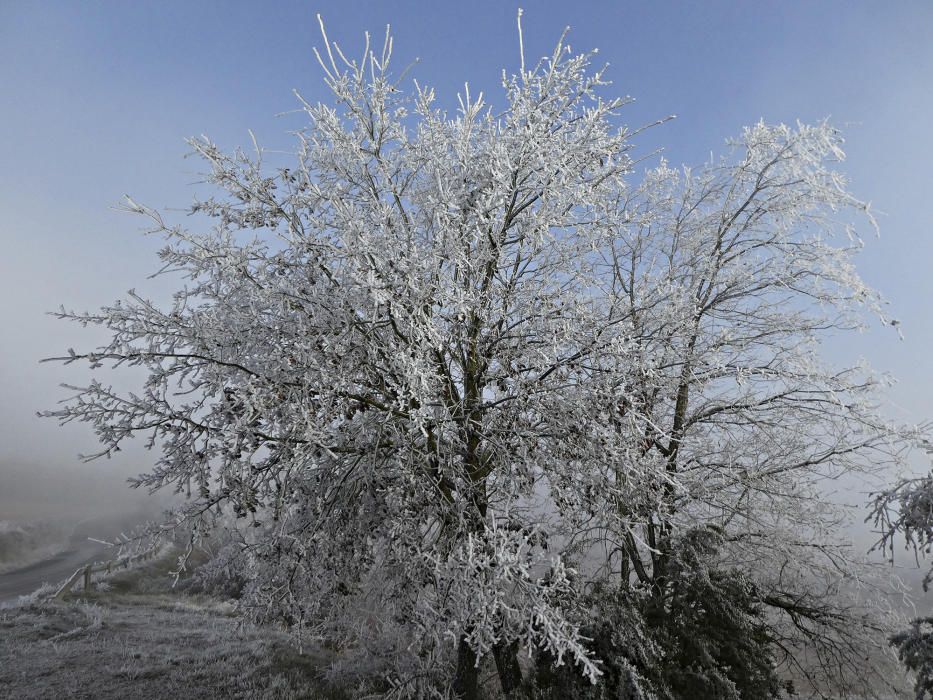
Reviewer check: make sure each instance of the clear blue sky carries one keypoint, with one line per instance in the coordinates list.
(97, 97)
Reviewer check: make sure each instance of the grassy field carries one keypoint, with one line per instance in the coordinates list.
(139, 639)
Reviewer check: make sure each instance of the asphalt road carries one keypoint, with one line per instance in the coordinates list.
(80, 551)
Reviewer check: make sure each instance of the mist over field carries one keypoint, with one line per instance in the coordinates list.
(47, 512)
(74, 492)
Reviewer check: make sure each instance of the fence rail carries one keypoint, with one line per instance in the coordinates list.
(99, 567)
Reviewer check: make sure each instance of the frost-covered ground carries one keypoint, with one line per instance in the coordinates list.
(134, 636)
(22, 544)
(139, 639)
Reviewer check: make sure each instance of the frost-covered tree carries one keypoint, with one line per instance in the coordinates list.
(383, 357)
(905, 509)
(453, 370)
(728, 277)
(915, 650)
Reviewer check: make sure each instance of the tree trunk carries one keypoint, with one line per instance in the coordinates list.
(510, 673)
(466, 682)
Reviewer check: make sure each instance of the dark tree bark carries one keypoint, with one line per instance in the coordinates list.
(510, 673)
(466, 682)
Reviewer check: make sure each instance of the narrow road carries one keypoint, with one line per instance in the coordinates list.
(80, 551)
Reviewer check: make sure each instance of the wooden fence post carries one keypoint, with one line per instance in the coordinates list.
(108, 566)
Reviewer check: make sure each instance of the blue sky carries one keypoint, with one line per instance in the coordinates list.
(98, 96)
